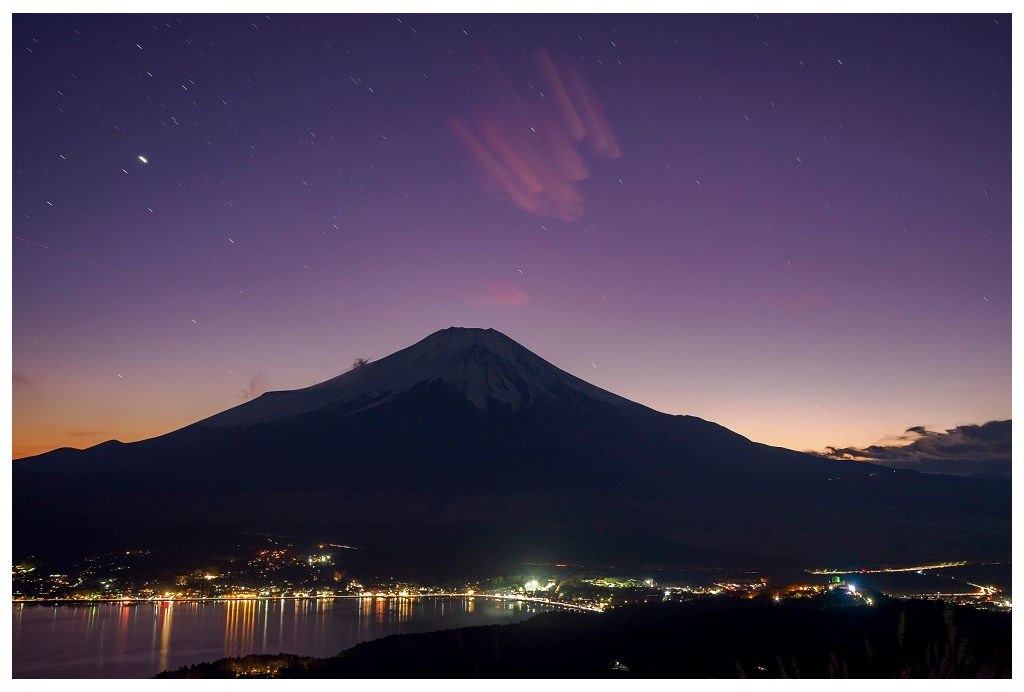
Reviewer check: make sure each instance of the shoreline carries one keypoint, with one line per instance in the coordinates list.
(224, 599)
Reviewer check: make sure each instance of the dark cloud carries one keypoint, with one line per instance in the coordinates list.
(22, 378)
(963, 450)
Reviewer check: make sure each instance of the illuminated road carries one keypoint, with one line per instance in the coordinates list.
(920, 568)
(985, 592)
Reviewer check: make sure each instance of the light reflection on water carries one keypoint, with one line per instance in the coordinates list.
(112, 640)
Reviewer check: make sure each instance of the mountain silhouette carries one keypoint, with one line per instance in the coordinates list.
(466, 450)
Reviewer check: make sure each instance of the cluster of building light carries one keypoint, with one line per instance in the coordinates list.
(226, 586)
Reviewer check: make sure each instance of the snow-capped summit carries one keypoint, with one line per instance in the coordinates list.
(483, 365)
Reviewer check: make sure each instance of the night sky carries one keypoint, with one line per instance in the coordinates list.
(798, 227)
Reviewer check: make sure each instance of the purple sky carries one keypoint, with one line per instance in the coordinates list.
(795, 226)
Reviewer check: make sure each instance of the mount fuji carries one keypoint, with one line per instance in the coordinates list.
(468, 450)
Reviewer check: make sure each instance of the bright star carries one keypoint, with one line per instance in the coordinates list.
(143, 159)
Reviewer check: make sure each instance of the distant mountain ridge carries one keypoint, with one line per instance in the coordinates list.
(470, 444)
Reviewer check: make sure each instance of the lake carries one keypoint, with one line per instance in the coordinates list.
(110, 640)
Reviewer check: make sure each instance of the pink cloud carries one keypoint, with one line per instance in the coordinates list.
(792, 303)
(499, 292)
(527, 150)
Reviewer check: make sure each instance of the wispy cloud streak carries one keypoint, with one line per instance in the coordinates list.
(21, 378)
(527, 150)
(794, 303)
(499, 292)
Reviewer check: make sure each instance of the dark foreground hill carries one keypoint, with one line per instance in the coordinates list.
(465, 452)
(820, 638)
